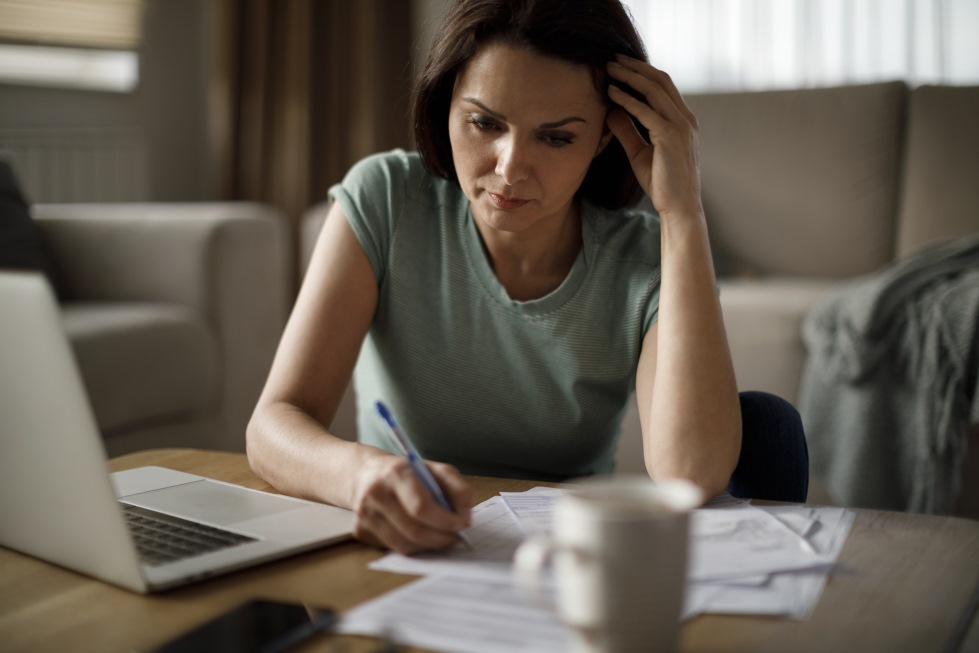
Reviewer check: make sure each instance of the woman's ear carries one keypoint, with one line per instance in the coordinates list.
(606, 137)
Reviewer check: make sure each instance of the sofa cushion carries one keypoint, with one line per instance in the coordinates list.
(142, 363)
(764, 327)
(940, 194)
(802, 182)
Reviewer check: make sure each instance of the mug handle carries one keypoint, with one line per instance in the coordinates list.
(528, 564)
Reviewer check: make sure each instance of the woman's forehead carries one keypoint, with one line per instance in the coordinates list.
(521, 79)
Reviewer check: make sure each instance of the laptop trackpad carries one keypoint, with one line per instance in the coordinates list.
(213, 502)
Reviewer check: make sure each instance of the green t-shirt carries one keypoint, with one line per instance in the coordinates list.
(531, 389)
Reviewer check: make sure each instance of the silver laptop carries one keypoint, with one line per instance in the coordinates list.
(146, 529)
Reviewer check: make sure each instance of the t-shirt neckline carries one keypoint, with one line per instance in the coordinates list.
(479, 263)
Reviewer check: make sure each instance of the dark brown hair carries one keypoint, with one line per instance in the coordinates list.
(583, 32)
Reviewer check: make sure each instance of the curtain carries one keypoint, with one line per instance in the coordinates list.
(736, 45)
(304, 89)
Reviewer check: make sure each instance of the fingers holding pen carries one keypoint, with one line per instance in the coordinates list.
(374, 527)
(393, 510)
(456, 488)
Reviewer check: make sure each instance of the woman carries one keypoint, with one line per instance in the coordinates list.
(501, 299)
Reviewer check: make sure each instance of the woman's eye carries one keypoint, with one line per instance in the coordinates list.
(557, 140)
(481, 123)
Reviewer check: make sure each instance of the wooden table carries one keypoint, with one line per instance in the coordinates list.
(907, 583)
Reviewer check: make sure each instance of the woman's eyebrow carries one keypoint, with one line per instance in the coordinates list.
(502, 118)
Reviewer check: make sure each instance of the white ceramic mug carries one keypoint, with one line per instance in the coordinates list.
(619, 552)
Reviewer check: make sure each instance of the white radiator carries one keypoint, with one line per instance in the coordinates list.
(106, 164)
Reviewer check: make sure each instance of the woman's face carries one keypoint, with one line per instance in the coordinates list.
(524, 128)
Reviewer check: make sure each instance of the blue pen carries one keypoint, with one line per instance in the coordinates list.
(402, 442)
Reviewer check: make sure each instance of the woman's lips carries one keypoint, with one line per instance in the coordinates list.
(501, 202)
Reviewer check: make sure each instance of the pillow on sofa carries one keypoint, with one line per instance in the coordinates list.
(21, 247)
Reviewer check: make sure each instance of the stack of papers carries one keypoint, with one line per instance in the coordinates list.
(772, 560)
(744, 559)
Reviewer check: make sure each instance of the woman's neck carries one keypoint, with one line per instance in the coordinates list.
(533, 263)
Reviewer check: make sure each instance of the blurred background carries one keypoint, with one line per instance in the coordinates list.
(735, 45)
(272, 100)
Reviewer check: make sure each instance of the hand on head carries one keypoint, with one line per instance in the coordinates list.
(666, 166)
(394, 510)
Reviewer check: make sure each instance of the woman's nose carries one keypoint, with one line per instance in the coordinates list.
(512, 162)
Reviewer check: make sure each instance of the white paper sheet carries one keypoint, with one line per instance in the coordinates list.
(534, 508)
(460, 614)
(793, 594)
(730, 538)
(471, 614)
(746, 540)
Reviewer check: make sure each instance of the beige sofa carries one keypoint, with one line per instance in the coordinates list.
(807, 188)
(173, 311)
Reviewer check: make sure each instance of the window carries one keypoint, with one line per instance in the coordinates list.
(761, 44)
(71, 43)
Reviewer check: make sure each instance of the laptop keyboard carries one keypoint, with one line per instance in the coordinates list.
(162, 538)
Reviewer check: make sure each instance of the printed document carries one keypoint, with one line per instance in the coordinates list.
(744, 559)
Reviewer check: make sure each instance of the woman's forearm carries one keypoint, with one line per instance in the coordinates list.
(294, 453)
(694, 415)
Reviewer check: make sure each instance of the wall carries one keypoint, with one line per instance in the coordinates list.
(176, 67)
(426, 16)
(168, 108)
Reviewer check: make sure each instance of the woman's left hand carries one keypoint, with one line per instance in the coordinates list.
(667, 167)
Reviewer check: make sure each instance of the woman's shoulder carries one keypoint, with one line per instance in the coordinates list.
(391, 167)
(397, 169)
(626, 234)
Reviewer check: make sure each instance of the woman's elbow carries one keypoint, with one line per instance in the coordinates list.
(710, 470)
(257, 441)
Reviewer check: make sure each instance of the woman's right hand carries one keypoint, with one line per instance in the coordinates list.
(394, 510)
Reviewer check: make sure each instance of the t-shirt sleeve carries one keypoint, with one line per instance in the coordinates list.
(371, 195)
(651, 309)
(647, 243)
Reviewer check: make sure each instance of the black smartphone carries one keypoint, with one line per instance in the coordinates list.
(255, 627)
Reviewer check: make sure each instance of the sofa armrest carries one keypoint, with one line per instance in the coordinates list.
(228, 260)
(154, 252)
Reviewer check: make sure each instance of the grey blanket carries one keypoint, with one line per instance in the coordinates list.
(890, 384)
